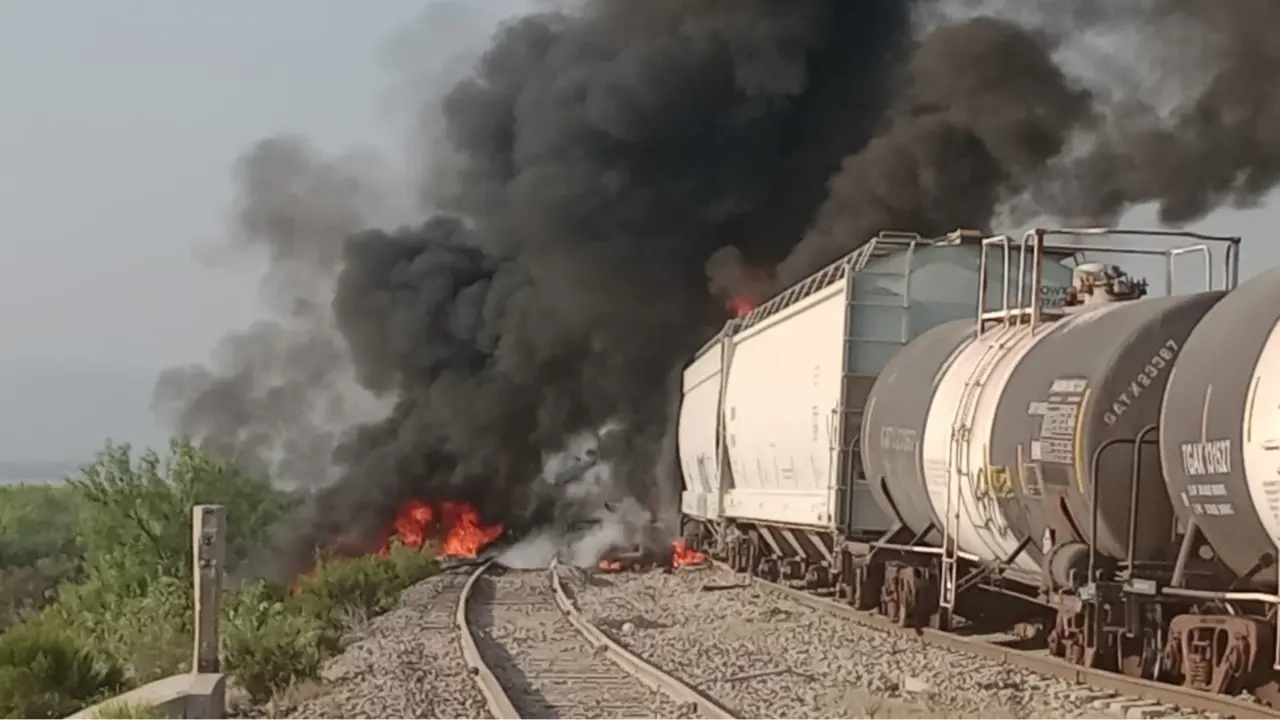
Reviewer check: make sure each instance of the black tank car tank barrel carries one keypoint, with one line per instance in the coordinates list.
(1220, 428)
(1094, 378)
(893, 428)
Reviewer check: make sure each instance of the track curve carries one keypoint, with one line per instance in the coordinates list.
(534, 656)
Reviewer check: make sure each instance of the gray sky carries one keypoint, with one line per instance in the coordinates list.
(119, 124)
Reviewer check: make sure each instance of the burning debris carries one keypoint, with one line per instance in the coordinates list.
(625, 176)
(455, 525)
(675, 556)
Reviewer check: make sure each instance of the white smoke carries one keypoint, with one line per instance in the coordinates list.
(594, 513)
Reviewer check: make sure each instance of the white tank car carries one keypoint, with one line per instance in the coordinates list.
(793, 377)
(1220, 430)
(969, 390)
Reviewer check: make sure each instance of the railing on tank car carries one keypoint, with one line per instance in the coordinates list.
(1033, 242)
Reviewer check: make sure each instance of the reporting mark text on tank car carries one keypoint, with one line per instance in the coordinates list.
(1139, 384)
(1211, 457)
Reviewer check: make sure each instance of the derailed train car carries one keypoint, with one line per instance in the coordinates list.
(1028, 465)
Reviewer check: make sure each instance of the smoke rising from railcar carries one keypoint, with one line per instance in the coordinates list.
(604, 161)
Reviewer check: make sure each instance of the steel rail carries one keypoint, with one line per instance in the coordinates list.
(500, 703)
(494, 695)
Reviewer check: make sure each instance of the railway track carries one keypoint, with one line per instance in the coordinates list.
(533, 656)
(1131, 697)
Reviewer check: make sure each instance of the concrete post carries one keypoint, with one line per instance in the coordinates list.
(209, 546)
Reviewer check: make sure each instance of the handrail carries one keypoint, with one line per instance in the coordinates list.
(1034, 242)
(834, 272)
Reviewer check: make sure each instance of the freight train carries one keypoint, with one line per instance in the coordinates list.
(1078, 458)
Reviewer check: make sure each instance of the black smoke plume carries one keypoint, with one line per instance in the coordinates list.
(604, 157)
(604, 161)
(1219, 144)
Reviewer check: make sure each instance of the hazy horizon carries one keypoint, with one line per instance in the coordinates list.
(119, 137)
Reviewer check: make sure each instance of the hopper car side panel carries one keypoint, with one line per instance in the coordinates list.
(698, 433)
(780, 408)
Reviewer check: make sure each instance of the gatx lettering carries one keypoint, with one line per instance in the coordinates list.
(1145, 378)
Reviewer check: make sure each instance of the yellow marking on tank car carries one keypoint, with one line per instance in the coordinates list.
(1081, 411)
(995, 478)
(999, 482)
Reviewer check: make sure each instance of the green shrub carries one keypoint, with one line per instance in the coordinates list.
(412, 566)
(26, 589)
(136, 523)
(45, 672)
(366, 584)
(39, 547)
(362, 586)
(273, 639)
(132, 599)
(149, 630)
(268, 643)
(36, 522)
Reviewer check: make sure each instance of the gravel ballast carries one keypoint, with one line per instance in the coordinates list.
(404, 664)
(762, 654)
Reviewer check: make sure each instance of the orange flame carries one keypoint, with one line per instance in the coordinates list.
(681, 556)
(417, 523)
(457, 524)
(684, 556)
(738, 307)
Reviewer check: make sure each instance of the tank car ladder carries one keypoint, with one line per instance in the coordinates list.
(959, 457)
